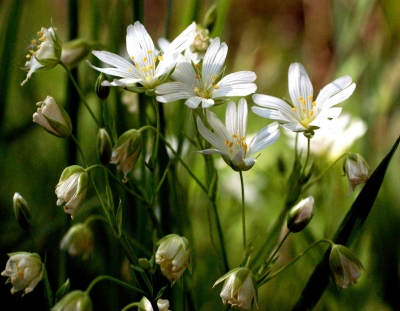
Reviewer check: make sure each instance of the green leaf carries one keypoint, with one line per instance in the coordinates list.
(346, 234)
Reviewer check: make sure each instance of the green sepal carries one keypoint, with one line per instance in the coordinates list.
(109, 199)
(160, 292)
(64, 289)
(70, 170)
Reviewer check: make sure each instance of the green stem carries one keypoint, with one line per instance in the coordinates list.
(271, 258)
(71, 77)
(106, 277)
(324, 172)
(275, 274)
(80, 150)
(243, 212)
(307, 158)
(131, 305)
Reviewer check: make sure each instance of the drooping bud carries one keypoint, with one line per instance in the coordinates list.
(300, 215)
(173, 256)
(102, 91)
(24, 271)
(344, 265)
(126, 151)
(78, 241)
(145, 305)
(76, 300)
(75, 51)
(356, 169)
(71, 189)
(53, 118)
(104, 146)
(21, 211)
(240, 288)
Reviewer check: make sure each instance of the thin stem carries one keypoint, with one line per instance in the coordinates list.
(158, 124)
(80, 150)
(131, 305)
(71, 77)
(324, 172)
(243, 211)
(307, 158)
(271, 258)
(106, 277)
(275, 274)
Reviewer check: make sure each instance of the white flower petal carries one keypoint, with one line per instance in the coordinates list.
(269, 114)
(193, 102)
(299, 83)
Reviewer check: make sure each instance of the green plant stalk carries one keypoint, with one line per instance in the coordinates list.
(346, 234)
(71, 77)
(109, 278)
(243, 212)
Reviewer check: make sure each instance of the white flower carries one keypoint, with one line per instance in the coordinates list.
(147, 68)
(145, 305)
(240, 288)
(334, 139)
(230, 140)
(72, 188)
(53, 118)
(173, 256)
(47, 54)
(76, 300)
(305, 114)
(24, 270)
(202, 84)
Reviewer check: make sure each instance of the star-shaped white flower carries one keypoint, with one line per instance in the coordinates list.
(305, 114)
(201, 84)
(230, 140)
(148, 67)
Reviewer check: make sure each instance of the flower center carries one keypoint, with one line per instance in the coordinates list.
(236, 143)
(305, 110)
(203, 89)
(146, 65)
(34, 47)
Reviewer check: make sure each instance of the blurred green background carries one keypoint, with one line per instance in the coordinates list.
(360, 38)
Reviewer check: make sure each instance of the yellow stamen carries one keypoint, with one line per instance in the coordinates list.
(149, 51)
(300, 99)
(154, 59)
(214, 76)
(235, 136)
(137, 66)
(39, 46)
(245, 147)
(294, 109)
(196, 76)
(197, 65)
(314, 103)
(310, 97)
(145, 59)
(129, 69)
(231, 144)
(33, 41)
(242, 138)
(311, 113)
(40, 34)
(133, 57)
(160, 58)
(303, 110)
(42, 39)
(28, 56)
(196, 90)
(151, 67)
(216, 87)
(144, 69)
(226, 142)
(32, 52)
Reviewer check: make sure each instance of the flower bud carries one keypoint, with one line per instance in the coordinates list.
(78, 241)
(53, 118)
(76, 300)
(72, 188)
(24, 271)
(344, 265)
(102, 91)
(145, 305)
(240, 288)
(300, 215)
(104, 146)
(21, 211)
(74, 51)
(45, 55)
(356, 169)
(173, 256)
(126, 151)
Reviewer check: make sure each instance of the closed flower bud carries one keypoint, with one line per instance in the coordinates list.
(126, 151)
(75, 51)
(145, 305)
(71, 189)
(53, 118)
(300, 215)
(173, 256)
(240, 288)
(44, 53)
(356, 169)
(21, 211)
(102, 91)
(24, 271)
(78, 241)
(344, 265)
(104, 146)
(76, 300)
